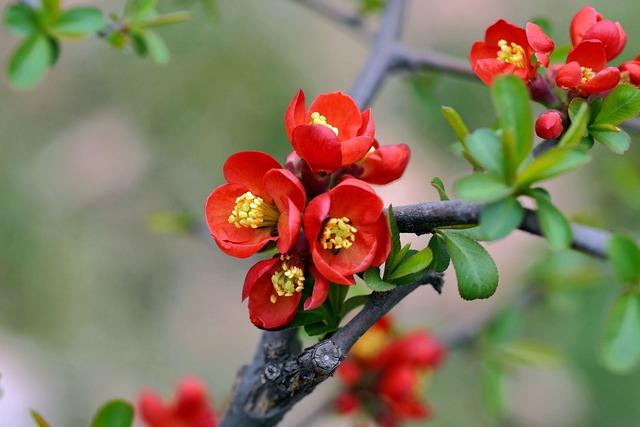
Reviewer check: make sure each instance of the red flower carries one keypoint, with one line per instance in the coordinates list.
(417, 349)
(274, 288)
(631, 71)
(347, 231)
(331, 133)
(400, 387)
(261, 202)
(549, 125)
(588, 24)
(190, 409)
(507, 49)
(385, 163)
(586, 70)
(347, 403)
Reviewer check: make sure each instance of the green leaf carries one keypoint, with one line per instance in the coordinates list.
(455, 121)
(504, 327)
(353, 303)
(559, 55)
(616, 141)
(20, 19)
(304, 318)
(481, 188)
(136, 9)
(624, 255)
(79, 21)
(318, 328)
(29, 61)
(485, 147)
(395, 233)
(39, 419)
(374, 282)
(156, 47)
(573, 136)
(115, 413)
(392, 263)
(417, 262)
(51, 8)
(476, 272)
(553, 162)
(439, 186)
(621, 340)
(555, 226)
(441, 258)
(511, 100)
(499, 219)
(622, 103)
(493, 394)
(531, 353)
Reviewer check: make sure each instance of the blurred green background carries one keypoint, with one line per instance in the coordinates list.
(94, 304)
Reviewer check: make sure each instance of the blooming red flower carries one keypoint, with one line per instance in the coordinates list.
(347, 403)
(586, 70)
(588, 24)
(507, 49)
(549, 125)
(261, 202)
(331, 133)
(190, 408)
(274, 288)
(347, 231)
(385, 163)
(631, 71)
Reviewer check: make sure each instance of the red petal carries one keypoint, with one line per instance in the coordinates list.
(549, 125)
(505, 30)
(341, 112)
(349, 372)
(603, 81)
(267, 315)
(610, 34)
(191, 398)
(248, 168)
(569, 76)
(368, 128)
(357, 201)
(319, 147)
(294, 116)
(347, 262)
(581, 22)
(355, 149)
(542, 59)
(260, 237)
(260, 269)
(288, 227)
(383, 238)
(386, 164)
(538, 40)
(589, 53)
(282, 186)
(327, 270)
(314, 215)
(320, 290)
(488, 69)
(633, 69)
(152, 410)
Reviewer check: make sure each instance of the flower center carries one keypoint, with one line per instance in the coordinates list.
(251, 211)
(512, 53)
(288, 279)
(319, 119)
(370, 344)
(587, 74)
(338, 233)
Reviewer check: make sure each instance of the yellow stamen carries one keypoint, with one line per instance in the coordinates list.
(513, 54)
(288, 280)
(319, 119)
(370, 344)
(251, 211)
(587, 74)
(338, 233)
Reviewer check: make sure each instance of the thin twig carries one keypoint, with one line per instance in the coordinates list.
(350, 20)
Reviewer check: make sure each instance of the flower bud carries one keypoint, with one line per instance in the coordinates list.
(549, 125)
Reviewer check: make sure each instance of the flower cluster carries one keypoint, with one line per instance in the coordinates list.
(583, 73)
(191, 407)
(318, 211)
(384, 374)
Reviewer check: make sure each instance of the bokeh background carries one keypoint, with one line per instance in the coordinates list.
(96, 301)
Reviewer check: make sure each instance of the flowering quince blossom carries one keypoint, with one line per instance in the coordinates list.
(384, 374)
(631, 71)
(332, 133)
(586, 70)
(347, 231)
(190, 408)
(549, 125)
(261, 202)
(507, 49)
(274, 288)
(588, 24)
(384, 164)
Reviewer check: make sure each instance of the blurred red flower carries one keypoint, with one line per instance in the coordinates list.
(507, 49)
(331, 133)
(586, 70)
(190, 408)
(261, 202)
(347, 231)
(588, 24)
(631, 71)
